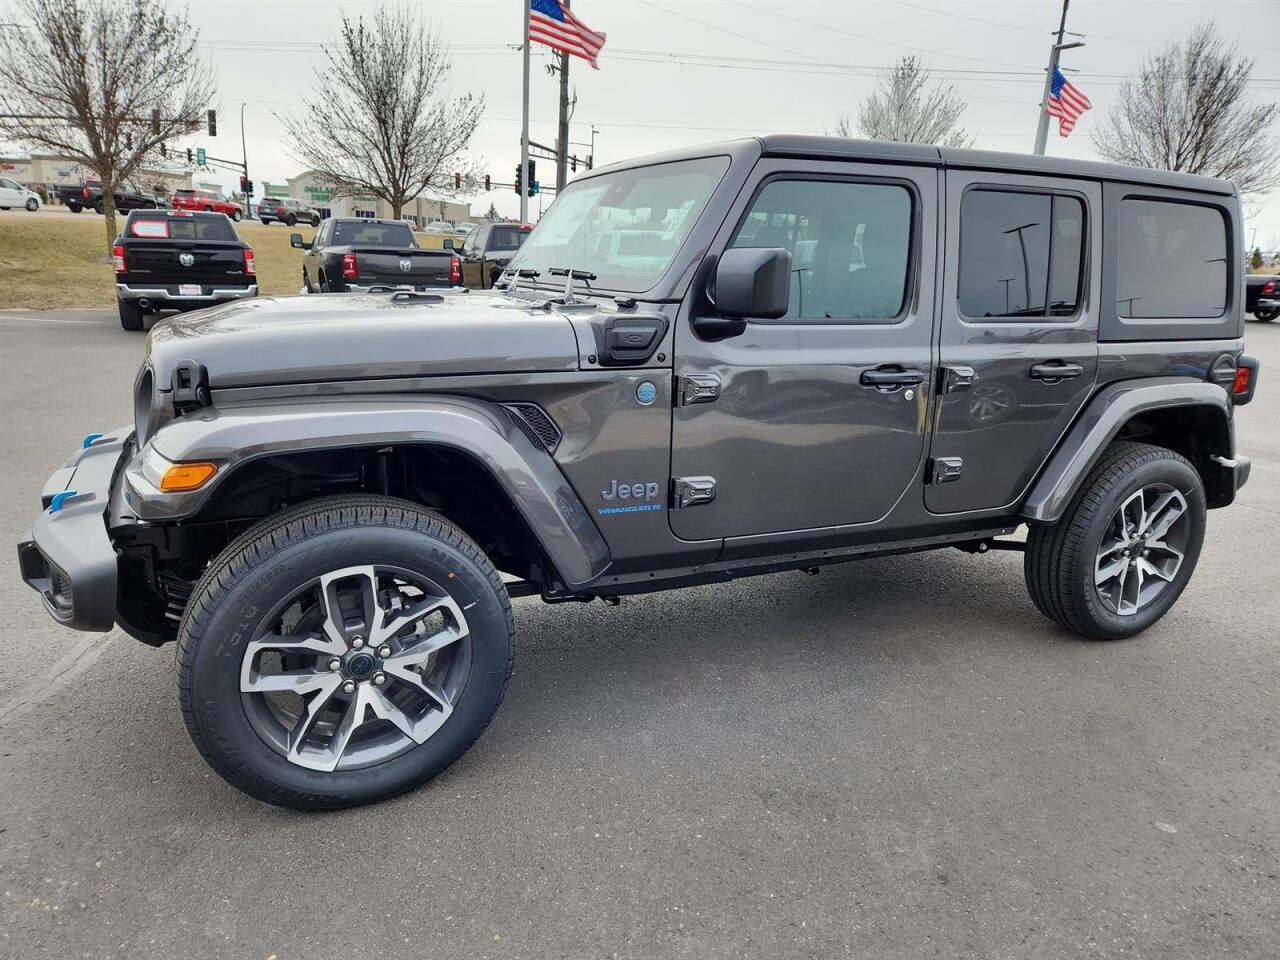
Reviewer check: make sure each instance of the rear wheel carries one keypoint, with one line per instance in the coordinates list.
(315, 220)
(74, 207)
(208, 209)
(100, 208)
(130, 315)
(342, 652)
(1126, 546)
(1266, 316)
(264, 220)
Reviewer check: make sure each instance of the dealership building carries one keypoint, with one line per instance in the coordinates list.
(312, 189)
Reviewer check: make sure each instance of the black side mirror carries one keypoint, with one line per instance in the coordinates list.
(753, 282)
(295, 240)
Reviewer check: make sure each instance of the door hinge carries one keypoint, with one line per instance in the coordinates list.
(955, 379)
(698, 388)
(945, 469)
(691, 491)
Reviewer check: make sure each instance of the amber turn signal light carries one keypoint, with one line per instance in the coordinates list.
(186, 476)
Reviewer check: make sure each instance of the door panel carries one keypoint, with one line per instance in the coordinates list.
(796, 439)
(1011, 384)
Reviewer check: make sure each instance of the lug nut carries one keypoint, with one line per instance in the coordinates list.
(357, 642)
(349, 687)
(379, 678)
(335, 664)
(384, 651)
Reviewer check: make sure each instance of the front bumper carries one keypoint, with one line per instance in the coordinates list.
(68, 557)
(168, 293)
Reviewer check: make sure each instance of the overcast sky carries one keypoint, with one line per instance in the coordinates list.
(649, 96)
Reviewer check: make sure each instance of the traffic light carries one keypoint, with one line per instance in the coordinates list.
(486, 183)
(244, 184)
(516, 185)
(213, 123)
(457, 181)
(533, 183)
(188, 154)
(248, 187)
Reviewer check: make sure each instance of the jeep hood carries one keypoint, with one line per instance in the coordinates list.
(270, 340)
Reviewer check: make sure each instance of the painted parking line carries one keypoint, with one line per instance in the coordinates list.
(34, 319)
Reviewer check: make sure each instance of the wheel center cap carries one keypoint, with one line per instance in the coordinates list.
(360, 666)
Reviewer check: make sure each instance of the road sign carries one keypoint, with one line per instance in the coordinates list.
(199, 156)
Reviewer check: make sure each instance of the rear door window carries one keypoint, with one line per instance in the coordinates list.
(1171, 260)
(1021, 254)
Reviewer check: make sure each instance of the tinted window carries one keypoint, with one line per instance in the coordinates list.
(1171, 260)
(186, 228)
(506, 238)
(374, 234)
(9, 183)
(849, 245)
(1007, 241)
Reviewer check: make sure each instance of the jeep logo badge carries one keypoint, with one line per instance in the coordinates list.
(406, 266)
(186, 259)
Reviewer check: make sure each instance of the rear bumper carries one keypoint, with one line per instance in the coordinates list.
(168, 293)
(1266, 303)
(1233, 473)
(68, 557)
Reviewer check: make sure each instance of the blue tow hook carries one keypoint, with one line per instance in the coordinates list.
(90, 439)
(55, 504)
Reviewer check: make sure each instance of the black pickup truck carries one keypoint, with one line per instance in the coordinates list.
(358, 255)
(1262, 296)
(179, 260)
(89, 196)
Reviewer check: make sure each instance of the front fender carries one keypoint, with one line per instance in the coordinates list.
(233, 435)
(1100, 423)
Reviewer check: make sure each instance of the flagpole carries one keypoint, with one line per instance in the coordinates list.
(524, 126)
(1055, 52)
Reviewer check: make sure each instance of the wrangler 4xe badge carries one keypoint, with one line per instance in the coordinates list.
(644, 497)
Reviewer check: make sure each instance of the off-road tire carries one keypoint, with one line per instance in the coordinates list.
(130, 315)
(268, 560)
(1059, 560)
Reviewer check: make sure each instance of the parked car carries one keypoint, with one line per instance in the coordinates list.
(179, 260)
(439, 226)
(462, 229)
(353, 254)
(1262, 296)
(88, 196)
(328, 502)
(14, 194)
(286, 210)
(207, 201)
(488, 249)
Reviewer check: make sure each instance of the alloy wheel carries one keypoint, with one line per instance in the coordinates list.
(1142, 549)
(355, 668)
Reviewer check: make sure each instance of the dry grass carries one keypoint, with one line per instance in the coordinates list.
(60, 260)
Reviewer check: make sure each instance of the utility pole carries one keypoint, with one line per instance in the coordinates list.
(562, 131)
(1042, 129)
(244, 155)
(524, 129)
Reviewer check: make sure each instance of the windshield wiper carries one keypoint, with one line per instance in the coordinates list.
(570, 275)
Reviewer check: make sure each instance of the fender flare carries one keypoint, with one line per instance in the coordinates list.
(234, 435)
(1100, 422)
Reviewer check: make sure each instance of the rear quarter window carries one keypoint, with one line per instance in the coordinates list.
(1171, 260)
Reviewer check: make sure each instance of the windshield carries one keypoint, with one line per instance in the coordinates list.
(624, 227)
(507, 238)
(347, 232)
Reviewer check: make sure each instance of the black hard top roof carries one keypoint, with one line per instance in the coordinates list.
(842, 148)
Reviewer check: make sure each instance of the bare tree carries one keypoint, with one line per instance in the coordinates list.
(379, 119)
(84, 78)
(901, 109)
(1188, 109)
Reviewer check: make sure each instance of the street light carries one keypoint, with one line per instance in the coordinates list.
(1026, 268)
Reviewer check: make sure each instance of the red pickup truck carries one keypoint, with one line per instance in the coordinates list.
(209, 202)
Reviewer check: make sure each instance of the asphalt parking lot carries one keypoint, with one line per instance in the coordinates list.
(895, 759)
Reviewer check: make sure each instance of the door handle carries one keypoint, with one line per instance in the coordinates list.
(890, 377)
(1056, 370)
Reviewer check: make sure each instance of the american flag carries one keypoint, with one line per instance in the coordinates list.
(1065, 102)
(551, 22)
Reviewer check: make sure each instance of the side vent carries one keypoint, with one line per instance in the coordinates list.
(534, 424)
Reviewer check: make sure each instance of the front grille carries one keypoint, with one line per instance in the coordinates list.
(535, 424)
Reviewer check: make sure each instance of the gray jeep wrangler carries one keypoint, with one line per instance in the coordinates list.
(764, 355)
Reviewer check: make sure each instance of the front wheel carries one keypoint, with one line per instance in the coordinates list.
(291, 221)
(343, 651)
(32, 204)
(237, 216)
(1126, 546)
(130, 315)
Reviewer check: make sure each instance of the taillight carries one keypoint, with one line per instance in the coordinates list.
(1269, 288)
(279, 211)
(117, 254)
(348, 266)
(455, 270)
(1240, 385)
(249, 266)
(85, 191)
